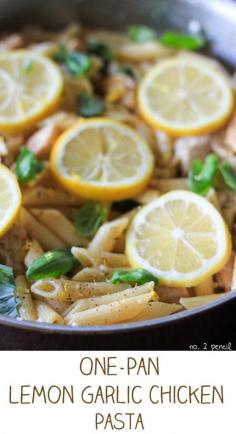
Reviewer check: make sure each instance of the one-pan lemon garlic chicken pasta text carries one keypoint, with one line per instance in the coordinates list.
(117, 175)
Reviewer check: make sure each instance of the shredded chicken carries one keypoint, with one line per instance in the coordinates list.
(188, 149)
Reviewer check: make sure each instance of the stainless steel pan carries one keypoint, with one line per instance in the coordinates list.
(217, 18)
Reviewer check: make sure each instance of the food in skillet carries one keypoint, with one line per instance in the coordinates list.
(117, 176)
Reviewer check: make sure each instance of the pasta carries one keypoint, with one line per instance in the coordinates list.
(115, 208)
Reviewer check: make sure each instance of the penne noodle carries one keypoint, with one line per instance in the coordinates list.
(34, 252)
(192, 302)
(106, 237)
(56, 222)
(83, 255)
(37, 230)
(96, 274)
(205, 288)
(233, 284)
(157, 309)
(89, 303)
(112, 313)
(42, 196)
(27, 309)
(47, 314)
(70, 290)
(58, 306)
(114, 260)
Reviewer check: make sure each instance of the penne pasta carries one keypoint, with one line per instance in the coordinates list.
(27, 309)
(205, 288)
(56, 222)
(34, 252)
(42, 196)
(192, 302)
(112, 313)
(37, 230)
(47, 314)
(157, 309)
(89, 303)
(70, 290)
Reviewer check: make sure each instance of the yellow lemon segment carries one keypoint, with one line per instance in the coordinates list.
(10, 199)
(180, 237)
(185, 96)
(102, 159)
(30, 88)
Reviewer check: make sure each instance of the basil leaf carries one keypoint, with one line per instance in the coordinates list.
(89, 105)
(27, 166)
(182, 41)
(141, 33)
(52, 264)
(89, 218)
(9, 302)
(76, 63)
(101, 50)
(138, 276)
(202, 175)
(228, 174)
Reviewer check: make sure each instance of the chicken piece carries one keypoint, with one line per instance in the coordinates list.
(188, 149)
(230, 134)
(224, 277)
(13, 248)
(169, 294)
(121, 88)
(41, 142)
(61, 119)
(12, 42)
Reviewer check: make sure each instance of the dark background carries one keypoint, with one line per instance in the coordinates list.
(217, 327)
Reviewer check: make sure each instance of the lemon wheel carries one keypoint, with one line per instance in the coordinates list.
(185, 96)
(102, 159)
(30, 88)
(10, 199)
(180, 237)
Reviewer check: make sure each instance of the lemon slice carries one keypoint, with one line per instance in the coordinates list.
(102, 159)
(10, 199)
(180, 237)
(185, 96)
(30, 87)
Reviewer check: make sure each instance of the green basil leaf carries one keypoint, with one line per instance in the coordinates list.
(52, 264)
(9, 302)
(27, 166)
(89, 105)
(76, 63)
(89, 218)
(100, 50)
(141, 33)
(202, 175)
(135, 276)
(228, 174)
(182, 41)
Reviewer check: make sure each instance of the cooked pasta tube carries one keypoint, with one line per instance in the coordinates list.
(96, 274)
(112, 313)
(107, 235)
(205, 288)
(114, 260)
(89, 303)
(34, 252)
(70, 290)
(42, 196)
(233, 284)
(191, 302)
(56, 222)
(27, 309)
(36, 230)
(157, 309)
(45, 313)
(84, 256)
